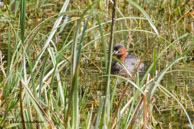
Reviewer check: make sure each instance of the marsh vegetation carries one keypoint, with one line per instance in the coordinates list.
(55, 64)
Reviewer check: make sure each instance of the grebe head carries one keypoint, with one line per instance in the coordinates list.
(119, 51)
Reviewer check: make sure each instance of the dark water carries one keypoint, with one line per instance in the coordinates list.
(180, 82)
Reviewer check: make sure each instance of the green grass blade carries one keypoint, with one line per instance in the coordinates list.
(174, 97)
(145, 14)
(54, 29)
(102, 39)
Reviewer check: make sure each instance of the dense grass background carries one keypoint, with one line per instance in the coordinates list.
(54, 63)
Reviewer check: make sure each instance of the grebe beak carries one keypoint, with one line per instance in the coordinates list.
(115, 52)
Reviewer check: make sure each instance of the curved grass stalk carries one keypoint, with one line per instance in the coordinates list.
(57, 22)
(76, 53)
(118, 31)
(39, 109)
(128, 80)
(174, 97)
(160, 54)
(146, 15)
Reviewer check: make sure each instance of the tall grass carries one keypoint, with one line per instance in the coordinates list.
(56, 73)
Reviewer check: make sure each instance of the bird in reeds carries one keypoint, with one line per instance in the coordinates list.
(129, 61)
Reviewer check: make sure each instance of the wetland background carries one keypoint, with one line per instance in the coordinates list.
(54, 64)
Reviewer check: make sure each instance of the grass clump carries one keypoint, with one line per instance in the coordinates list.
(55, 62)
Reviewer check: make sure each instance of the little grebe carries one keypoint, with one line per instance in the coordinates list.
(130, 61)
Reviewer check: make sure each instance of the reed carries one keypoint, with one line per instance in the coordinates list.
(55, 60)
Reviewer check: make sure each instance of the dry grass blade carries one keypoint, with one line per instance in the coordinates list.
(42, 79)
(52, 126)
